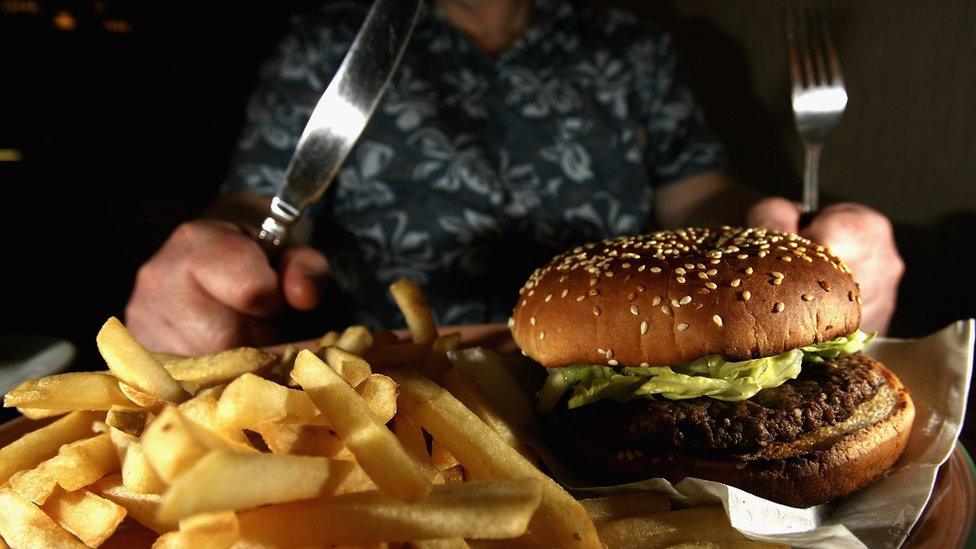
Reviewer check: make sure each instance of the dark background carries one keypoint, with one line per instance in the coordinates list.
(125, 116)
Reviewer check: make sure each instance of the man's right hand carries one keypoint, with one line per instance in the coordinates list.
(210, 287)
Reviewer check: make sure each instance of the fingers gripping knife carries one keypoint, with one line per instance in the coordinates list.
(341, 115)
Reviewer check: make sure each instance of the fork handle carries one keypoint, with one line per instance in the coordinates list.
(811, 190)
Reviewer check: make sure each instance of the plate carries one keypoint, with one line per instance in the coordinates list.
(948, 519)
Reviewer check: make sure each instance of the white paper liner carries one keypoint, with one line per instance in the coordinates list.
(936, 370)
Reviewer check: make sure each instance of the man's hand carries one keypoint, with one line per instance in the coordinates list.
(859, 235)
(210, 287)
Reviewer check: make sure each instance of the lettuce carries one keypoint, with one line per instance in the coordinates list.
(710, 376)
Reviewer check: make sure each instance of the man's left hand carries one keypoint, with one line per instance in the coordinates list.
(861, 236)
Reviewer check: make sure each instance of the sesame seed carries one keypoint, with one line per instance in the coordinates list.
(680, 271)
(850, 295)
(786, 258)
(777, 281)
(825, 285)
(717, 320)
(601, 351)
(542, 335)
(666, 310)
(711, 285)
(643, 327)
(594, 291)
(715, 261)
(612, 362)
(680, 279)
(626, 265)
(701, 265)
(675, 304)
(685, 300)
(656, 301)
(762, 253)
(511, 322)
(609, 274)
(641, 268)
(640, 288)
(532, 320)
(746, 295)
(858, 299)
(596, 311)
(749, 270)
(548, 298)
(593, 282)
(689, 266)
(655, 269)
(742, 256)
(580, 297)
(777, 274)
(702, 275)
(712, 272)
(807, 297)
(644, 365)
(609, 353)
(778, 307)
(633, 310)
(682, 327)
(631, 296)
(564, 292)
(735, 282)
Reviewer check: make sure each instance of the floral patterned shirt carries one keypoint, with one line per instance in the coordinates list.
(477, 169)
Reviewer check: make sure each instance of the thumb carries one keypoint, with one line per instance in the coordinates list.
(776, 213)
(304, 271)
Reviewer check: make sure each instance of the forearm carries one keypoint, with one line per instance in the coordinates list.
(707, 199)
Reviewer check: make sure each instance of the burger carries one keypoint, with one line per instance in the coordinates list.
(729, 354)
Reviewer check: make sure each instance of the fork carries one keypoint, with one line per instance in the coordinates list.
(818, 96)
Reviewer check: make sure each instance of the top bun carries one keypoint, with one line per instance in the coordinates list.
(671, 297)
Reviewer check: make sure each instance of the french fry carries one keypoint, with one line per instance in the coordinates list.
(355, 339)
(499, 509)
(411, 436)
(617, 507)
(329, 339)
(416, 312)
(695, 525)
(440, 457)
(23, 524)
(351, 367)
(71, 391)
(33, 448)
(41, 413)
(303, 440)
(127, 421)
(728, 544)
(138, 473)
(560, 521)
(472, 396)
(134, 365)
(376, 449)
(487, 370)
(91, 518)
(398, 355)
(437, 362)
(37, 484)
(173, 443)
(202, 409)
(452, 475)
(250, 400)
(223, 481)
(380, 394)
(204, 371)
(217, 530)
(85, 461)
(141, 507)
(143, 400)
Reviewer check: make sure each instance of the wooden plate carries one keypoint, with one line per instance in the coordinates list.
(948, 519)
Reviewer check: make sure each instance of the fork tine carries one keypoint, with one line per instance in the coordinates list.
(806, 56)
(814, 17)
(789, 28)
(836, 77)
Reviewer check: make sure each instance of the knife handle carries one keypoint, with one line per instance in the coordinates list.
(274, 229)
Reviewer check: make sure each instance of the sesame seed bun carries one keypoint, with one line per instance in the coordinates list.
(671, 297)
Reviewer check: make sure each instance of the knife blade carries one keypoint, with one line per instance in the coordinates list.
(341, 115)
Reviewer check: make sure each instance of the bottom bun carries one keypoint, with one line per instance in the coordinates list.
(826, 466)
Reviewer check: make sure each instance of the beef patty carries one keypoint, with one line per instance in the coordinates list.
(822, 395)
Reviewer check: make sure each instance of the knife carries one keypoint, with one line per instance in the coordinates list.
(340, 115)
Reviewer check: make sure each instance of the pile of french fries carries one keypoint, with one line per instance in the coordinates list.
(352, 444)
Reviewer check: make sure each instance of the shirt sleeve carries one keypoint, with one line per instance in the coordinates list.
(679, 143)
(289, 85)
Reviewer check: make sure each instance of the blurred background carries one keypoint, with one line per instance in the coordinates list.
(117, 119)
